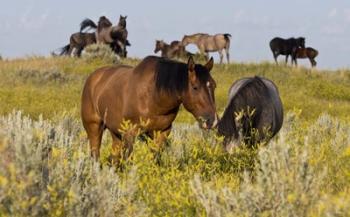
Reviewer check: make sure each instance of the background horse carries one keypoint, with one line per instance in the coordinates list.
(210, 43)
(151, 92)
(254, 112)
(108, 34)
(78, 41)
(285, 46)
(175, 49)
(303, 53)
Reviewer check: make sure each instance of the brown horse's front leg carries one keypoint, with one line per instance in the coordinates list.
(122, 148)
(160, 138)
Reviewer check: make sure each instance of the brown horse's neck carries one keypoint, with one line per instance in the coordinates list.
(167, 103)
(164, 46)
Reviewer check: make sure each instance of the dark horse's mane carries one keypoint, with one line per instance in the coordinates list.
(172, 76)
(255, 86)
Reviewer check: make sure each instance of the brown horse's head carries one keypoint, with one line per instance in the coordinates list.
(199, 97)
(104, 22)
(190, 84)
(185, 40)
(159, 46)
(122, 21)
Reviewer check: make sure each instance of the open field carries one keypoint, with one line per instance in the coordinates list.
(45, 168)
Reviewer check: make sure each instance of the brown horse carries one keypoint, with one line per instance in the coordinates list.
(210, 43)
(302, 53)
(77, 42)
(151, 92)
(175, 49)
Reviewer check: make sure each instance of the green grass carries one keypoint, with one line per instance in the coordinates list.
(46, 170)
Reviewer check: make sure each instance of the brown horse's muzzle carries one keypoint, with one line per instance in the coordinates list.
(209, 121)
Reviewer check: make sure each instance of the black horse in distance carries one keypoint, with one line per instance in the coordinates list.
(280, 46)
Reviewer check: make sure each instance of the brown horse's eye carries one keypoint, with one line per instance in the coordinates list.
(195, 88)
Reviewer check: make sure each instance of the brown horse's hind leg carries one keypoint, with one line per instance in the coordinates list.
(94, 131)
(221, 56)
(227, 55)
(313, 62)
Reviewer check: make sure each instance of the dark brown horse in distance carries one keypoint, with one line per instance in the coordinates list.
(280, 46)
(302, 53)
(77, 42)
(210, 43)
(254, 113)
(151, 92)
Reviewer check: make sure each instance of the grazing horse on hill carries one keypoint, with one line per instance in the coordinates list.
(150, 93)
(254, 113)
(175, 49)
(210, 43)
(285, 46)
(302, 53)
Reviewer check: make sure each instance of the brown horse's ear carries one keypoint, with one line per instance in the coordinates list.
(210, 64)
(190, 64)
(191, 72)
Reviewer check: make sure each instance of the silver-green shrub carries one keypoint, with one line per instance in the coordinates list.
(99, 51)
(45, 170)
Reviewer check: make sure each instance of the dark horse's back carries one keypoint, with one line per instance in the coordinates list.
(280, 46)
(260, 95)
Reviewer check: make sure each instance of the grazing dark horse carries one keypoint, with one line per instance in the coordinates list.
(254, 113)
(302, 53)
(210, 43)
(285, 46)
(107, 33)
(152, 93)
(174, 49)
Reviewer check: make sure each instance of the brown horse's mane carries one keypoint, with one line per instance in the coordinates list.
(172, 76)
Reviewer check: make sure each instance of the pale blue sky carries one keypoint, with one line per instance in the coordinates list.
(40, 26)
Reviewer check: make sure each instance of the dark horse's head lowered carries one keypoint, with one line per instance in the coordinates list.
(193, 85)
(254, 113)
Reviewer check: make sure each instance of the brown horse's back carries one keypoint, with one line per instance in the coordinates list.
(308, 52)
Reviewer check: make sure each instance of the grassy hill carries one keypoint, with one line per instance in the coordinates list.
(48, 86)
(45, 168)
